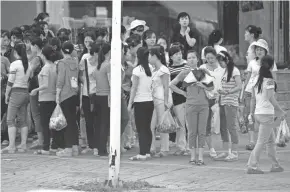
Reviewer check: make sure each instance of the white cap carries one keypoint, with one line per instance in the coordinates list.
(137, 23)
(261, 43)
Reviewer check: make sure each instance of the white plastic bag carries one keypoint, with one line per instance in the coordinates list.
(169, 123)
(57, 120)
(283, 134)
(216, 118)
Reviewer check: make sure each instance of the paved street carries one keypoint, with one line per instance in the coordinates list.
(22, 172)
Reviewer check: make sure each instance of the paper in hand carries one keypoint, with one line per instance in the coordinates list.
(190, 78)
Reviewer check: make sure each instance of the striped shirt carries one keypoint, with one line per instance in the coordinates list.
(233, 98)
(174, 71)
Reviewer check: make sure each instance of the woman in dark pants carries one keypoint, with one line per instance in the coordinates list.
(46, 95)
(66, 95)
(141, 98)
(102, 102)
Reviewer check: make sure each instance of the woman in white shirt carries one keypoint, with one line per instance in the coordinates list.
(17, 98)
(261, 49)
(141, 97)
(161, 95)
(252, 34)
(215, 40)
(87, 67)
(263, 105)
(217, 72)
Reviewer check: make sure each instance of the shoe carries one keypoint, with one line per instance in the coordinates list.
(220, 157)
(276, 169)
(22, 148)
(53, 150)
(36, 145)
(250, 146)
(75, 150)
(96, 152)
(200, 162)
(5, 143)
(161, 154)
(148, 156)
(86, 150)
(254, 171)
(212, 153)
(8, 150)
(232, 157)
(180, 153)
(138, 158)
(41, 152)
(67, 152)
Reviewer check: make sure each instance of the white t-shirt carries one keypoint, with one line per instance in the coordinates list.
(233, 98)
(144, 92)
(17, 75)
(217, 74)
(250, 53)
(263, 104)
(157, 86)
(93, 88)
(254, 68)
(217, 48)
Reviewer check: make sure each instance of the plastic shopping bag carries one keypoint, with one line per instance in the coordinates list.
(216, 118)
(283, 134)
(169, 123)
(83, 141)
(57, 119)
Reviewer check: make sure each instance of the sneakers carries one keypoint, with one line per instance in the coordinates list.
(67, 152)
(220, 157)
(161, 154)
(86, 150)
(232, 157)
(276, 169)
(36, 145)
(254, 171)
(96, 152)
(212, 153)
(138, 158)
(8, 150)
(75, 150)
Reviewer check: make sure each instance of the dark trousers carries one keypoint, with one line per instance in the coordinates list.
(71, 132)
(90, 117)
(143, 117)
(102, 123)
(46, 109)
(4, 133)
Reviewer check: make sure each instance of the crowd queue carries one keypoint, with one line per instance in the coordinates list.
(42, 69)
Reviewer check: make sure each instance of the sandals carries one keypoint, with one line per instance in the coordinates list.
(41, 152)
(21, 148)
(193, 162)
(8, 150)
(200, 162)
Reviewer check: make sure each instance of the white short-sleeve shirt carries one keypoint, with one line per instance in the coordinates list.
(144, 92)
(263, 104)
(254, 68)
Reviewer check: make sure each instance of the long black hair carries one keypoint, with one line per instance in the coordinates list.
(20, 49)
(257, 31)
(142, 55)
(214, 37)
(267, 63)
(147, 34)
(225, 56)
(158, 50)
(105, 48)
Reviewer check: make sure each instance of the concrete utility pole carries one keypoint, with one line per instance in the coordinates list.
(115, 119)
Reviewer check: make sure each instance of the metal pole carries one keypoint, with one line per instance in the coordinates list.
(115, 117)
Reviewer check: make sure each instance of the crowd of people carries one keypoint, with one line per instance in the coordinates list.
(45, 70)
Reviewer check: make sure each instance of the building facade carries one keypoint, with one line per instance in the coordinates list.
(231, 17)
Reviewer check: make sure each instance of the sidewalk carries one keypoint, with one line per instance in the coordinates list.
(23, 172)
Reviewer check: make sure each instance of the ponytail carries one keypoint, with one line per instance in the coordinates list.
(20, 49)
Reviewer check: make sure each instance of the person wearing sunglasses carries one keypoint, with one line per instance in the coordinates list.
(137, 27)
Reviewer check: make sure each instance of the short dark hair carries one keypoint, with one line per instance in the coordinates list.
(17, 32)
(209, 49)
(5, 33)
(182, 15)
